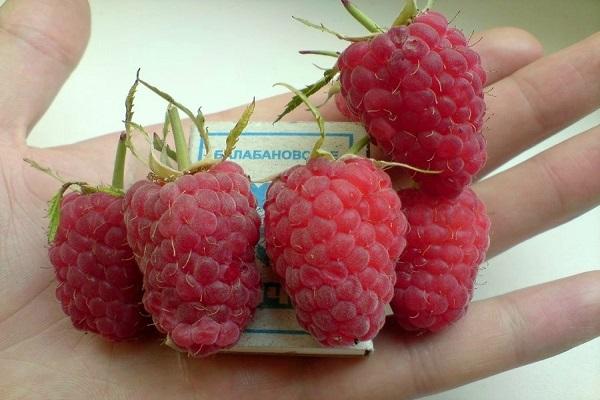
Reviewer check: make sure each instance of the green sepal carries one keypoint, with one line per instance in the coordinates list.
(316, 151)
(328, 53)
(334, 89)
(323, 28)
(108, 189)
(118, 177)
(54, 214)
(161, 170)
(199, 122)
(165, 150)
(55, 202)
(129, 101)
(181, 147)
(359, 145)
(34, 164)
(407, 14)
(236, 131)
(308, 91)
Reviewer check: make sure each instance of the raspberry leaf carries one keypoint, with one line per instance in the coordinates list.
(237, 130)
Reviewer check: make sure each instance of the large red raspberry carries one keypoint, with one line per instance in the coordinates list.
(195, 239)
(334, 231)
(446, 242)
(99, 283)
(418, 90)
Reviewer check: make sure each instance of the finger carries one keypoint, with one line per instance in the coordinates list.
(40, 44)
(505, 50)
(495, 335)
(509, 331)
(544, 191)
(542, 98)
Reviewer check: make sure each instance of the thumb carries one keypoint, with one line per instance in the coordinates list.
(41, 42)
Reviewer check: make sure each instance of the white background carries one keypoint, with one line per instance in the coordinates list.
(220, 54)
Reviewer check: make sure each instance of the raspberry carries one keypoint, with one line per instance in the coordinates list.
(340, 103)
(446, 243)
(99, 283)
(194, 239)
(334, 231)
(418, 90)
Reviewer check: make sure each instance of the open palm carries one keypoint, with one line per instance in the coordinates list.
(42, 356)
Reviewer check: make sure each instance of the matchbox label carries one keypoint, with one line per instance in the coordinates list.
(264, 150)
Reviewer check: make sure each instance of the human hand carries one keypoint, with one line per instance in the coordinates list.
(42, 356)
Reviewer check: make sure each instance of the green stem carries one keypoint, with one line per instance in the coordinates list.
(119, 168)
(361, 17)
(359, 145)
(183, 157)
(334, 54)
(407, 14)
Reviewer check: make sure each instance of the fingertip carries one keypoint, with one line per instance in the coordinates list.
(504, 50)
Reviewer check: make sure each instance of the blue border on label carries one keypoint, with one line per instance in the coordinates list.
(348, 135)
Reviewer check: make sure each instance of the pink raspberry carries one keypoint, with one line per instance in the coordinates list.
(194, 239)
(334, 231)
(418, 90)
(99, 283)
(446, 243)
(343, 108)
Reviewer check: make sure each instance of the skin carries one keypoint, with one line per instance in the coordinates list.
(42, 356)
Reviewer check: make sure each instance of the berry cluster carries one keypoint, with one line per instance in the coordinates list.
(177, 250)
